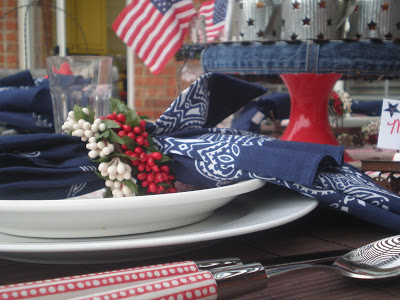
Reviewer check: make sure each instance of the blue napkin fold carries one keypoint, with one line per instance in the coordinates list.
(369, 108)
(276, 105)
(25, 106)
(45, 166)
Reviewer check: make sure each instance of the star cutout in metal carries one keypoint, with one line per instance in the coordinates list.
(260, 33)
(260, 4)
(329, 22)
(306, 21)
(241, 5)
(320, 36)
(284, 21)
(241, 35)
(398, 25)
(250, 22)
(293, 37)
(388, 35)
(296, 5)
(392, 109)
(385, 6)
(372, 25)
(358, 35)
(322, 4)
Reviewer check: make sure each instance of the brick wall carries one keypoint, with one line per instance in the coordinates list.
(8, 35)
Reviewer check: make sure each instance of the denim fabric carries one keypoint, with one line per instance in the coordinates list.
(352, 58)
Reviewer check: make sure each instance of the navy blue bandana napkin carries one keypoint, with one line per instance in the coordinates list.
(45, 166)
(204, 156)
(25, 105)
(215, 157)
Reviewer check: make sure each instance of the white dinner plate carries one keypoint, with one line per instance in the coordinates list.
(100, 217)
(248, 213)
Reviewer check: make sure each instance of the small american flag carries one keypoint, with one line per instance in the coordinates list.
(155, 29)
(214, 12)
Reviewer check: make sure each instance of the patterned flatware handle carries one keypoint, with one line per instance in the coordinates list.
(221, 283)
(89, 283)
(199, 285)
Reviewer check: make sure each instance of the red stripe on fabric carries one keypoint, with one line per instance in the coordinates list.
(133, 18)
(122, 15)
(139, 26)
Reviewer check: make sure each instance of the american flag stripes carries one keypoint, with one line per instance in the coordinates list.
(155, 29)
(214, 12)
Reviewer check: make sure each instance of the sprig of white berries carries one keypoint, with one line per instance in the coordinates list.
(82, 128)
(117, 171)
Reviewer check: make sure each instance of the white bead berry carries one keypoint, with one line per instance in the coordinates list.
(101, 145)
(88, 133)
(86, 125)
(117, 184)
(93, 154)
(94, 127)
(102, 127)
(112, 170)
(106, 150)
(85, 110)
(78, 132)
(121, 168)
(127, 175)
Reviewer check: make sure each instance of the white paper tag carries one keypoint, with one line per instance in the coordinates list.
(258, 117)
(389, 129)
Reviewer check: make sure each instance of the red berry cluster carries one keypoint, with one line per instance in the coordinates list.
(337, 103)
(150, 172)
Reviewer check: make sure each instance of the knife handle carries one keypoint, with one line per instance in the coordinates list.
(223, 283)
(89, 283)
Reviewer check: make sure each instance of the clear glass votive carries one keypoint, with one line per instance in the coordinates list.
(79, 80)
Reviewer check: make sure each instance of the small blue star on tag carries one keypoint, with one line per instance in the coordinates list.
(392, 109)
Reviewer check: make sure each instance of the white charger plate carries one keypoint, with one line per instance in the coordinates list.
(247, 213)
(99, 217)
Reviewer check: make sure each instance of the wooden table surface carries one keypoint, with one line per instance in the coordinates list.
(321, 230)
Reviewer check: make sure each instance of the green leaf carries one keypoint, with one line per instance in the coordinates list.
(141, 190)
(110, 123)
(102, 159)
(90, 116)
(115, 138)
(132, 119)
(144, 117)
(105, 134)
(131, 185)
(101, 176)
(129, 142)
(164, 184)
(79, 114)
(107, 193)
(164, 159)
(118, 106)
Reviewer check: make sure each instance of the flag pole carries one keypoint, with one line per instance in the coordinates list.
(130, 74)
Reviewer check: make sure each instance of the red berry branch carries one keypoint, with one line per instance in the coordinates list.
(151, 173)
(129, 161)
